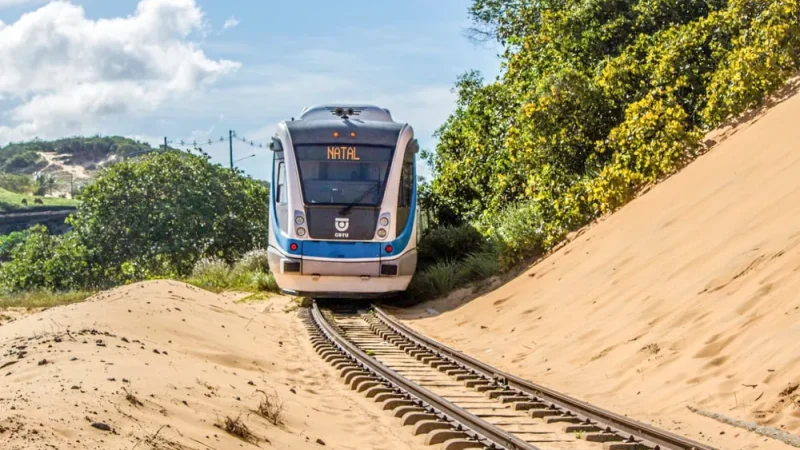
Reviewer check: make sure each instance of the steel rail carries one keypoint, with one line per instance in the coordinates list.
(623, 426)
(492, 436)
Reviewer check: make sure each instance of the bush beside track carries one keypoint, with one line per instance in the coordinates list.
(151, 217)
(597, 99)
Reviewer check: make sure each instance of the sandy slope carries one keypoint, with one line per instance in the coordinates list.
(191, 358)
(689, 295)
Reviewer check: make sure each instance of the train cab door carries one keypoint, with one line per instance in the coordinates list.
(281, 193)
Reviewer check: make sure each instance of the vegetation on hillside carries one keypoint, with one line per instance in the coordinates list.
(597, 99)
(14, 202)
(154, 216)
(23, 157)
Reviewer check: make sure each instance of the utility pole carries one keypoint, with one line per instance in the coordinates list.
(230, 142)
(165, 143)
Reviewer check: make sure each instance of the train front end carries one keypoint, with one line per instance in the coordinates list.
(343, 218)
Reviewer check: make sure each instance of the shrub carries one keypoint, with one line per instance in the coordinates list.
(253, 261)
(68, 268)
(28, 268)
(161, 213)
(596, 100)
(436, 280)
(764, 57)
(21, 184)
(261, 281)
(211, 273)
(478, 266)
(520, 232)
(216, 275)
(449, 243)
(8, 242)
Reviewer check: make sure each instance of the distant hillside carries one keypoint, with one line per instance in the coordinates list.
(75, 155)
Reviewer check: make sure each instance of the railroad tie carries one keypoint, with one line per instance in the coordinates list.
(562, 419)
(402, 411)
(582, 428)
(460, 444)
(603, 437)
(393, 403)
(375, 390)
(426, 426)
(542, 413)
(415, 417)
(383, 396)
(622, 446)
(440, 436)
(476, 383)
(528, 405)
(368, 385)
(501, 393)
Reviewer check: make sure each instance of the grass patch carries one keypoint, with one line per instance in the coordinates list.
(479, 266)
(12, 201)
(297, 303)
(215, 275)
(43, 299)
(270, 407)
(437, 280)
(255, 298)
(237, 428)
(131, 398)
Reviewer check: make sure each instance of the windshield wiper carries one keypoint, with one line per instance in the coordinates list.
(347, 208)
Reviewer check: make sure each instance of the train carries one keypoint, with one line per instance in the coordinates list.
(343, 203)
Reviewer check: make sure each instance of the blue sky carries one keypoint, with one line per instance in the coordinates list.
(271, 60)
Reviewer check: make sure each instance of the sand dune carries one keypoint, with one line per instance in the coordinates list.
(161, 364)
(688, 296)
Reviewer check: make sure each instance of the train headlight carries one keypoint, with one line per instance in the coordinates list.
(381, 233)
(300, 231)
(384, 221)
(299, 220)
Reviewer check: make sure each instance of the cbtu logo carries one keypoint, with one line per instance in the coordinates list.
(342, 224)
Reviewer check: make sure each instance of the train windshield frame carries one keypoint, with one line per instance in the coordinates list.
(343, 174)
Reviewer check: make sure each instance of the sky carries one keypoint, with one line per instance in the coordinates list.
(191, 70)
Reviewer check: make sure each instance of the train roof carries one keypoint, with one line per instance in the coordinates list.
(367, 113)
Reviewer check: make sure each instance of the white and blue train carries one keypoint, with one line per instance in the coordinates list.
(343, 203)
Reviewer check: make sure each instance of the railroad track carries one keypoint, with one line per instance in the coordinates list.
(461, 402)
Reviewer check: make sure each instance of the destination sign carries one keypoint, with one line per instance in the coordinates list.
(343, 153)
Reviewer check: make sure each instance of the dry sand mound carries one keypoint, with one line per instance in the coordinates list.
(688, 296)
(163, 365)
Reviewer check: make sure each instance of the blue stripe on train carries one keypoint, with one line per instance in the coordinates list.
(338, 249)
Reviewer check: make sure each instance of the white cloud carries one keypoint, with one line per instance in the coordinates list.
(68, 72)
(232, 22)
(6, 3)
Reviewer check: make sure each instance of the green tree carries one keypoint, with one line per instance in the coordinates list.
(596, 99)
(160, 213)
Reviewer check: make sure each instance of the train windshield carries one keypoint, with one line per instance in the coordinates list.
(349, 174)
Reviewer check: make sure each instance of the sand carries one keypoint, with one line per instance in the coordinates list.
(161, 363)
(688, 296)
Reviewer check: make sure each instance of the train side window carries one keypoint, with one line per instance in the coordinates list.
(406, 185)
(281, 193)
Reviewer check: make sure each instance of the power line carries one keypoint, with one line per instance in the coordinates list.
(232, 136)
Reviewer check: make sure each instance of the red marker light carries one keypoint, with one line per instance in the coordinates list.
(293, 247)
(389, 249)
